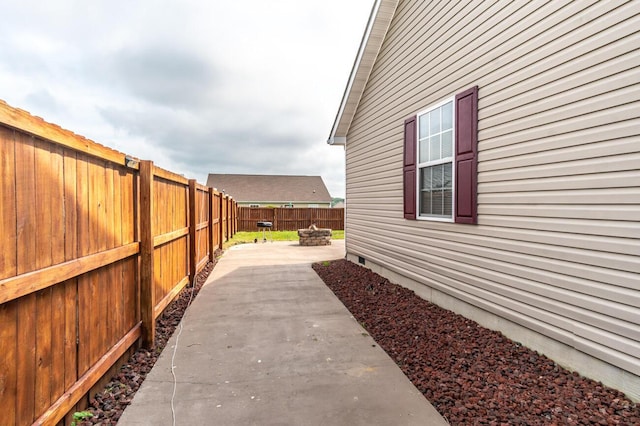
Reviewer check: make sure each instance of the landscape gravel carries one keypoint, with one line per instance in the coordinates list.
(472, 375)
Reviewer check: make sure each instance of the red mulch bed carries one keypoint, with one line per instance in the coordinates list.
(472, 375)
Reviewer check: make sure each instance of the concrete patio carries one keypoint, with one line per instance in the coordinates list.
(267, 343)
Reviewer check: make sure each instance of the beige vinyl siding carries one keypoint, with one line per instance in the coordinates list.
(557, 245)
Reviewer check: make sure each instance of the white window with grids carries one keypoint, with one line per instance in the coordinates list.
(436, 162)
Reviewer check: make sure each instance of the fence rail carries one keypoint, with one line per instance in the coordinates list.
(94, 247)
(290, 219)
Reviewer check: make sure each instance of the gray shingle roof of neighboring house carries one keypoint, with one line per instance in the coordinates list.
(271, 188)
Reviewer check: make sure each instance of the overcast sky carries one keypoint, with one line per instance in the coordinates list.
(197, 86)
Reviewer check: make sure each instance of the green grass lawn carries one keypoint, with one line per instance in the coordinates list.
(250, 237)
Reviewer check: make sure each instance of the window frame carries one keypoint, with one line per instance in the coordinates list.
(422, 165)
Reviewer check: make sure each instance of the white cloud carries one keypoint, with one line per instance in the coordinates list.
(196, 86)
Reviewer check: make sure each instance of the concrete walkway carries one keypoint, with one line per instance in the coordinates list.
(267, 343)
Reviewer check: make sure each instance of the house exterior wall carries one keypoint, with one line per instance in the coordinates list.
(554, 261)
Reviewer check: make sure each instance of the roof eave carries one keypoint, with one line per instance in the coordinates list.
(337, 140)
(377, 26)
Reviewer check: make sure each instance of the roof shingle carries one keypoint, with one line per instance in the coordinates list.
(271, 188)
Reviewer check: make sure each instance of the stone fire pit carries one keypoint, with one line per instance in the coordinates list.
(314, 236)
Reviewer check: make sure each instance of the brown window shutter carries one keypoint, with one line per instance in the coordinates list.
(466, 122)
(409, 169)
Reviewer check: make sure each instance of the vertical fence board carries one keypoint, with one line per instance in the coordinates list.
(25, 200)
(166, 258)
(100, 228)
(26, 360)
(206, 219)
(84, 248)
(108, 282)
(172, 252)
(158, 279)
(225, 234)
(58, 324)
(158, 228)
(43, 351)
(101, 234)
(209, 219)
(156, 221)
(183, 246)
(211, 233)
(229, 218)
(108, 288)
(109, 207)
(44, 181)
(70, 333)
(26, 248)
(70, 206)
(94, 206)
(129, 267)
(171, 220)
(172, 271)
(118, 298)
(94, 318)
(8, 362)
(179, 221)
(131, 305)
(82, 205)
(218, 202)
(184, 263)
(169, 269)
(84, 323)
(127, 183)
(57, 205)
(8, 218)
(174, 255)
(196, 225)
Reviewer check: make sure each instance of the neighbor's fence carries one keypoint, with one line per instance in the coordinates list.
(290, 219)
(92, 251)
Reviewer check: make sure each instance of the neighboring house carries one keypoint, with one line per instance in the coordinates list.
(495, 148)
(273, 190)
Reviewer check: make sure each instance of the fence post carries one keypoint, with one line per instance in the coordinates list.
(211, 231)
(274, 212)
(193, 226)
(228, 215)
(146, 254)
(221, 213)
(234, 204)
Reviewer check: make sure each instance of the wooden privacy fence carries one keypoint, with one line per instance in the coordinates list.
(94, 247)
(290, 219)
